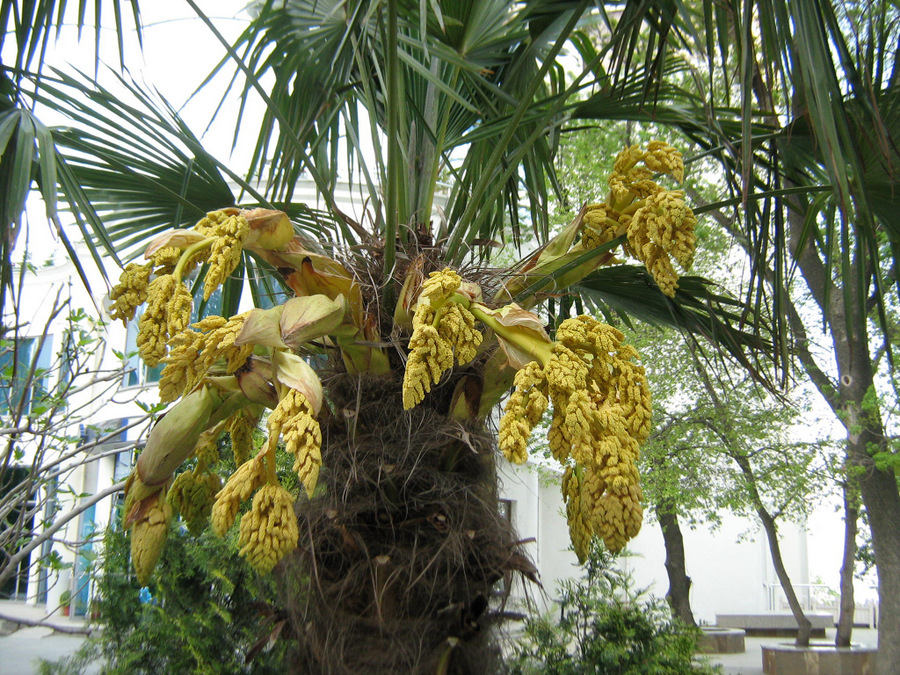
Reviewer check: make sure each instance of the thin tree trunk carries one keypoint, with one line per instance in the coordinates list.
(848, 604)
(804, 626)
(678, 595)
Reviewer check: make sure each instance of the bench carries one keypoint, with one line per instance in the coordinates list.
(774, 624)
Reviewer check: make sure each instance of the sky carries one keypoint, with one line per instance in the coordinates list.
(178, 52)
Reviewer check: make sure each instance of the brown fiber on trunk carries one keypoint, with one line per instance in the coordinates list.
(400, 553)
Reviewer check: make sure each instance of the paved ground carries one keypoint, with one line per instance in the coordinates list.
(20, 650)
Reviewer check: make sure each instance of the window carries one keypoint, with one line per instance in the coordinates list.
(23, 372)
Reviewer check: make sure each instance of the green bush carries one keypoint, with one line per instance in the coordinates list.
(205, 616)
(605, 627)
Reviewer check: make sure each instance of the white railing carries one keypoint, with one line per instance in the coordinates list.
(822, 599)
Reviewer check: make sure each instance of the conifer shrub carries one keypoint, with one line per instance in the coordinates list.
(204, 614)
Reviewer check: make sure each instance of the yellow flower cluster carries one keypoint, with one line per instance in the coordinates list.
(192, 495)
(580, 531)
(442, 327)
(524, 410)
(193, 353)
(240, 427)
(661, 230)
(242, 483)
(268, 530)
(153, 327)
(169, 300)
(601, 415)
(658, 222)
(229, 231)
(293, 418)
(148, 537)
(130, 292)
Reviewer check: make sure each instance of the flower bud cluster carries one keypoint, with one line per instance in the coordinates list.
(193, 353)
(658, 223)
(230, 231)
(192, 496)
(148, 536)
(601, 415)
(293, 419)
(442, 328)
(268, 530)
(244, 482)
(241, 426)
(217, 240)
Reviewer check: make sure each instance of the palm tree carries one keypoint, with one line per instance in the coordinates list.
(398, 543)
(392, 559)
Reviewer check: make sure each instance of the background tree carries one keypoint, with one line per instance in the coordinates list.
(46, 400)
(725, 444)
(842, 242)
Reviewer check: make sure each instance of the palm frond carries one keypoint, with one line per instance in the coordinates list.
(699, 308)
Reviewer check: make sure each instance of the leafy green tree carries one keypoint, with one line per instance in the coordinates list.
(724, 431)
(822, 79)
(207, 614)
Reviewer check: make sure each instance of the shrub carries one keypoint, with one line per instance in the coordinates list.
(205, 615)
(605, 627)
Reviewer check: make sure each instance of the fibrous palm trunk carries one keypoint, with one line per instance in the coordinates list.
(400, 553)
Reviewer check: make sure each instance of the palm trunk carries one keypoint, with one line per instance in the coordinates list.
(848, 604)
(399, 555)
(678, 595)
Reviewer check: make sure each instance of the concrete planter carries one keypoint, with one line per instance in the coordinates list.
(818, 659)
(720, 640)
